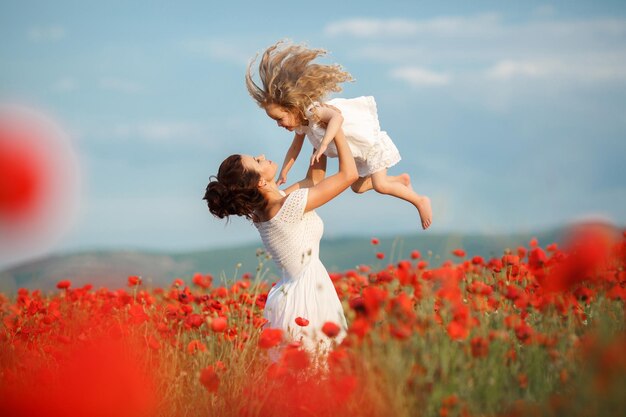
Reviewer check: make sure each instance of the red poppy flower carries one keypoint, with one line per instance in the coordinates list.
(375, 241)
(63, 285)
(450, 401)
(415, 254)
(270, 338)
(457, 331)
(380, 255)
(552, 247)
(294, 358)
(154, 343)
(522, 379)
(331, 329)
(536, 258)
(220, 292)
(194, 321)
(360, 327)
(523, 332)
(209, 378)
(400, 331)
(480, 347)
(509, 259)
(134, 280)
(373, 298)
(219, 324)
(302, 322)
(195, 346)
(458, 252)
(202, 281)
(137, 315)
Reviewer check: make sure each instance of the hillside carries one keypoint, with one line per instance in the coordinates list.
(111, 268)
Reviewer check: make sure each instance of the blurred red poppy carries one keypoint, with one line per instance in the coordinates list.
(331, 329)
(270, 338)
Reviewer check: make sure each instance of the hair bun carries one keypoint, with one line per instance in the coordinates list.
(234, 191)
(217, 197)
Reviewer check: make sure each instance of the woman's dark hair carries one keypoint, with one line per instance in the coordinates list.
(234, 191)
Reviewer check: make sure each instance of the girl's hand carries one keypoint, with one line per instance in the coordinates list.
(282, 178)
(318, 154)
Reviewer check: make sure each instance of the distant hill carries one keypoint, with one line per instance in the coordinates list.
(111, 268)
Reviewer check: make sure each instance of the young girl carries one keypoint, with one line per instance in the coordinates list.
(292, 93)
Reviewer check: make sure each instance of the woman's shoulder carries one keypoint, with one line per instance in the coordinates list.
(289, 209)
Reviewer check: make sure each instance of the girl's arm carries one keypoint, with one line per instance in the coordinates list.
(333, 119)
(314, 175)
(332, 186)
(290, 157)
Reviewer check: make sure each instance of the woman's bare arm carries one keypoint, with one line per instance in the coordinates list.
(330, 187)
(314, 175)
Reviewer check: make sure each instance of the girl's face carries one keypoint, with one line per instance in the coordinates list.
(266, 168)
(283, 116)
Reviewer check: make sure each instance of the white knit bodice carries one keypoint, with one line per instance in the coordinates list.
(292, 237)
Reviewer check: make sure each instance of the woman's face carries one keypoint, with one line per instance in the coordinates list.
(282, 115)
(266, 168)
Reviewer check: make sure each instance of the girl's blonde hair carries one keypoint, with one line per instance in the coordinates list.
(291, 80)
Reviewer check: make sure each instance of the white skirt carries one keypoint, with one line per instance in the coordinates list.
(312, 296)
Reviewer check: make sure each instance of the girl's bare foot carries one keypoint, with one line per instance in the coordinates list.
(425, 211)
(404, 179)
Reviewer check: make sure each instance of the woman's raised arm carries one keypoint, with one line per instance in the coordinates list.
(314, 175)
(332, 186)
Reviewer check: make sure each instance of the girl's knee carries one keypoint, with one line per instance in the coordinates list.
(358, 188)
(380, 187)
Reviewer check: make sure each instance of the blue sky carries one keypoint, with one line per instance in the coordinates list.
(511, 116)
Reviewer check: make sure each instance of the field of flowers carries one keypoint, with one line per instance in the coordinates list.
(539, 331)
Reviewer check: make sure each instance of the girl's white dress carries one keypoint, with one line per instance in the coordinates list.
(292, 238)
(371, 147)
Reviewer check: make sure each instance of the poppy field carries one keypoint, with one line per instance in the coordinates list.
(539, 330)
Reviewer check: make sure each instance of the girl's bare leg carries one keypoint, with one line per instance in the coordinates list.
(383, 184)
(364, 184)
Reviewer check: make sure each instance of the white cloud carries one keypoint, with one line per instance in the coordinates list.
(511, 69)
(42, 34)
(218, 49)
(477, 25)
(508, 69)
(64, 85)
(544, 10)
(419, 77)
(119, 85)
(484, 48)
(372, 27)
(159, 131)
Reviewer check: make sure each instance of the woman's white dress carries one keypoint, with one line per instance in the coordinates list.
(371, 147)
(292, 238)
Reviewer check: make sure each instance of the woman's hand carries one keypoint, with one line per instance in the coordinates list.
(314, 176)
(282, 178)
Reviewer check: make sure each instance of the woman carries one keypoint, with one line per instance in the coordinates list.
(291, 232)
